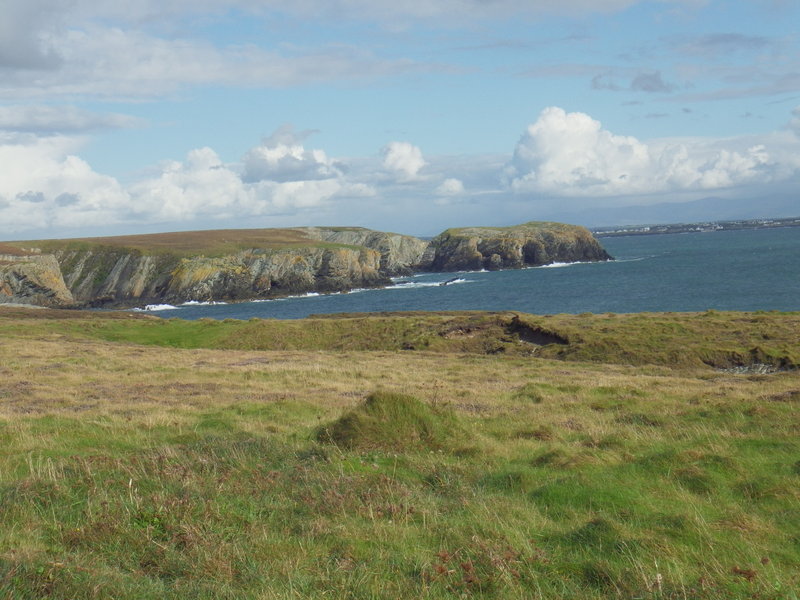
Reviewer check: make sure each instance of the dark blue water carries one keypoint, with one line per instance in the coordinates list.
(724, 270)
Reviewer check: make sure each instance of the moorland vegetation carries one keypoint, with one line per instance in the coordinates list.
(416, 455)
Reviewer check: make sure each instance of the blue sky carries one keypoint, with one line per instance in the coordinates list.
(119, 117)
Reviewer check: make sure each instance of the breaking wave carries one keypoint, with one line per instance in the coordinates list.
(156, 308)
(203, 303)
(411, 285)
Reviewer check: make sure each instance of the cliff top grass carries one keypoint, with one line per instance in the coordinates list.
(12, 250)
(133, 470)
(522, 229)
(210, 243)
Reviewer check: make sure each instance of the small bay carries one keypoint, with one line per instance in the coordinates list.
(723, 270)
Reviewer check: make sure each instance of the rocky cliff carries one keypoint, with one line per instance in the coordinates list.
(33, 279)
(265, 263)
(125, 276)
(531, 244)
(400, 254)
(231, 265)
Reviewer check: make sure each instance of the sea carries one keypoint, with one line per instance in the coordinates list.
(746, 270)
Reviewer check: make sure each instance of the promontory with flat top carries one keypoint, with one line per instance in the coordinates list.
(248, 264)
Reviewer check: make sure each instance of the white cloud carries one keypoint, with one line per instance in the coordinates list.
(115, 49)
(44, 185)
(566, 153)
(294, 195)
(403, 159)
(201, 186)
(282, 157)
(119, 63)
(450, 187)
(570, 154)
(42, 182)
(563, 159)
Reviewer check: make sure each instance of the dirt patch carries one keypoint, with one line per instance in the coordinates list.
(756, 360)
(460, 332)
(533, 334)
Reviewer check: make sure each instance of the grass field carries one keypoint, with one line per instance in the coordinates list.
(400, 456)
(187, 243)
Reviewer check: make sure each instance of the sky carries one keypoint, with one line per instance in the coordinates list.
(171, 115)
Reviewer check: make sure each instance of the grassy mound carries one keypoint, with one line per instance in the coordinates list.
(391, 421)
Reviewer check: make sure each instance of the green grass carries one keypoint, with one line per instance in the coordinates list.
(139, 461)
(393, 422)
(221, 513)
(683, 340)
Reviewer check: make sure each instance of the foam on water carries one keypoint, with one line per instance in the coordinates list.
(202, 303)
(156, 308)
(413, 285)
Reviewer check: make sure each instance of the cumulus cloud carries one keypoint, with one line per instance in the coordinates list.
(200, 186)
(282, 157)
(403, 159)
(570, 154)
(450, 187)
(561, 159)
(44, 182)
(45, 185)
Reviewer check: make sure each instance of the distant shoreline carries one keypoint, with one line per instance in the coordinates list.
(702, 226)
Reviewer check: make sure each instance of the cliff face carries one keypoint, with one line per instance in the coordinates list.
(34, 279)
(531, 244)
(264, 263)
(109, 276)
(400, 254)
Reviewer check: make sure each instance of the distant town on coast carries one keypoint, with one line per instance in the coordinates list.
(618, 230)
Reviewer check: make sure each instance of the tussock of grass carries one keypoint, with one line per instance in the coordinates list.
(394, 423)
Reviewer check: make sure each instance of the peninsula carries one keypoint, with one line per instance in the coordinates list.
(248, 264)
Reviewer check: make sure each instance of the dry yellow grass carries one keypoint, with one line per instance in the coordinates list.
(189, 241)
(57, 375)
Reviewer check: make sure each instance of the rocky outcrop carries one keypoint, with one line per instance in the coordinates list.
(33, 279)
(262, 274)
(530, 244)
(120, 276)
(400, 254)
